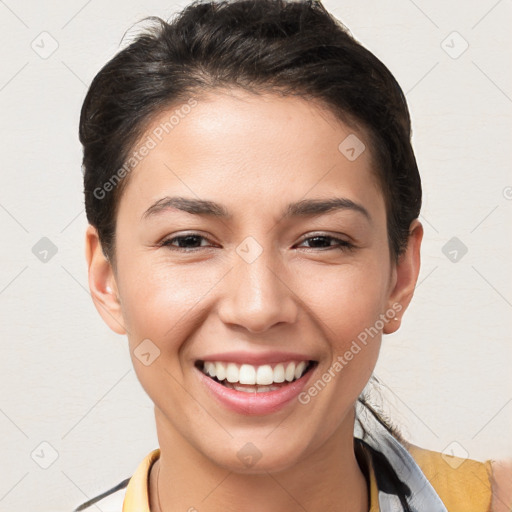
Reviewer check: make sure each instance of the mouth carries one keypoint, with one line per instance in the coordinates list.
(248, 378)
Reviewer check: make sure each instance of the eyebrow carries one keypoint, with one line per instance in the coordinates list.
(303, 208)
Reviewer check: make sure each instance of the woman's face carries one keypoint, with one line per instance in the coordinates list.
(266, 284)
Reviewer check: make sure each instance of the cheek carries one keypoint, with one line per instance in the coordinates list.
(347, 299)
(162, 301)
(348, 302)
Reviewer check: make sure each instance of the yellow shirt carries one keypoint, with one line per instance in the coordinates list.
(462, 484)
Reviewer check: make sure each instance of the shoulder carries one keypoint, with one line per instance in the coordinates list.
(465, 484)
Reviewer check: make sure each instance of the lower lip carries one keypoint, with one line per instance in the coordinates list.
(255, 403)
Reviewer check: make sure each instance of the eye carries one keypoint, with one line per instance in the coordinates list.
(192, 242)
(323, 242)
(187, 243)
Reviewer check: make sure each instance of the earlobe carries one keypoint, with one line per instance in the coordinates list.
(102, 284)
(407, 270)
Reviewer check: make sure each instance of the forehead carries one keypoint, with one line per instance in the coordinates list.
(264, 146)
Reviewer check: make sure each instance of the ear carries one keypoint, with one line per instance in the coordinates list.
(404, 277)
(102, 283)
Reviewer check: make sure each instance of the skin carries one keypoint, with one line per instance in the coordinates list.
(502, 485)
(254, 155)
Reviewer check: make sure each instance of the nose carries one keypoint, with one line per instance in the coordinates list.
(258, 294)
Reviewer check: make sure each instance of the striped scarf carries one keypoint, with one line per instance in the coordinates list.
(402, 485)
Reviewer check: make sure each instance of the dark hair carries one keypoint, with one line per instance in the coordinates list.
(291, 48)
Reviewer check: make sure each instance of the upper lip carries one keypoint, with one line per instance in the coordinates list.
(256, 358)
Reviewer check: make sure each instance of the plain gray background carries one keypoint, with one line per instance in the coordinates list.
(70, 401)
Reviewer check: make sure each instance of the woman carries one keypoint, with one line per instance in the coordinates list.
(253, 200)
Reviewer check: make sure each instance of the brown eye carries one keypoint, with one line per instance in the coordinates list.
(324, 242)
(185, 242)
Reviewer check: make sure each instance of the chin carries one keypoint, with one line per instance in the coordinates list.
(254, 457)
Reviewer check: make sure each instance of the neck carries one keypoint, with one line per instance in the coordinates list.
(329, 480)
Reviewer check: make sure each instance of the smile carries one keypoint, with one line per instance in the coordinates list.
(250, 378)
(252, 389)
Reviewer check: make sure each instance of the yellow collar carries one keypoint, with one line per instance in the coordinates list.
(137, 499)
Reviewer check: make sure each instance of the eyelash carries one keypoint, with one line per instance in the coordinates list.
(343, 245)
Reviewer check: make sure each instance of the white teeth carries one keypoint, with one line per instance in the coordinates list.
(210, 368)
(247, 374)
(290, 372)
(255, 389)
(232, 372)
(242, 388)
(220, 371)
(299, 369)
(279, 373)
(263, 375)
